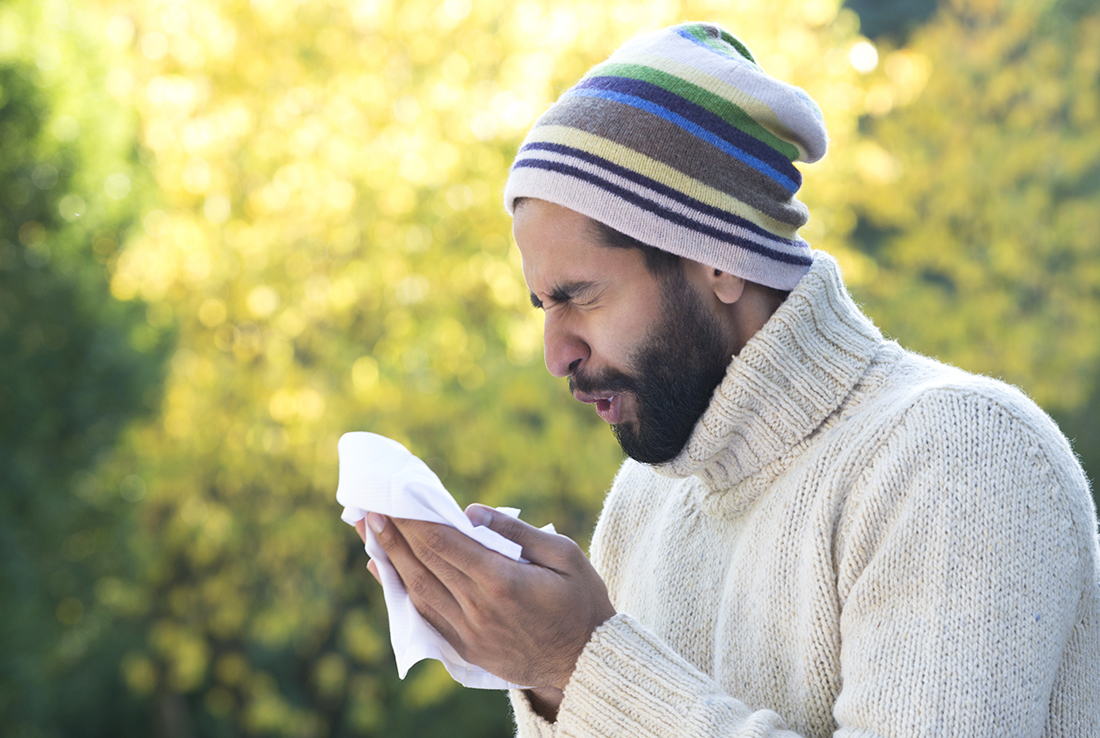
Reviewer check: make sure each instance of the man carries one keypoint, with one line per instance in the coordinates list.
(817, 533)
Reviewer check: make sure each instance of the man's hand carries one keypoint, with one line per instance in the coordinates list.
(526, 623)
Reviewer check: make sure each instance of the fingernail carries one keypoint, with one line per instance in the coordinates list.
(478, 515)
(376, 522)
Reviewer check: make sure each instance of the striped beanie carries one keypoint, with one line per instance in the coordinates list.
(681, 141)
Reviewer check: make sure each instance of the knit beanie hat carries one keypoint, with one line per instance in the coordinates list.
(681, 141)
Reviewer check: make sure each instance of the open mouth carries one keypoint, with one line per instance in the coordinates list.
(608, 406)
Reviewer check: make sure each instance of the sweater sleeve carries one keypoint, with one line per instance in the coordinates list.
(629, 683)
(967, 563)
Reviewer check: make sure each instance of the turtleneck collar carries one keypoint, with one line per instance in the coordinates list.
(790, 376)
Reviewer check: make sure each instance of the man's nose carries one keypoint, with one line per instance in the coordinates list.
(563, 349)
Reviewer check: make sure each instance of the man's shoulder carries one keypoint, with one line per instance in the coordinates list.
(963, 414)
(938, 392)
(953, 448)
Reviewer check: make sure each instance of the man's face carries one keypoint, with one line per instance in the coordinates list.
(646, 351)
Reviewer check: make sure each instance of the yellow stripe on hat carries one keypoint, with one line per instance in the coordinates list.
(659, 172)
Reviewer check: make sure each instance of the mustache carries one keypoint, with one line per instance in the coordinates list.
(607, 380)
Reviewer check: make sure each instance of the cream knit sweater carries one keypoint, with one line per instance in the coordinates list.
(856, 541)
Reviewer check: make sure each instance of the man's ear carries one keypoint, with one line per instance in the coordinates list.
(726, 286)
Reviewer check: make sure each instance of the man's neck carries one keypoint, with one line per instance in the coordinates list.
(749, 314)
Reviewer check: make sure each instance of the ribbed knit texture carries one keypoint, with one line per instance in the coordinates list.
(683, 142)
(856, 541)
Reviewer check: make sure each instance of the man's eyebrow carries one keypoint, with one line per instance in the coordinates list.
(564, 292)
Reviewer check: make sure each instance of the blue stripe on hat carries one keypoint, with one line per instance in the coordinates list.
(696, 114)
(636, 102)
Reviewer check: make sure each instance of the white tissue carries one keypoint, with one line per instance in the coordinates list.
(378, 474)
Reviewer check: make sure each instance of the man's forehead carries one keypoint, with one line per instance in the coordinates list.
(548, 217)
(564, 257)
(552, 233)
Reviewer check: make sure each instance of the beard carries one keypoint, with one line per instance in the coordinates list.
(672, 375)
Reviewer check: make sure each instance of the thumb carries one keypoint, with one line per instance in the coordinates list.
(539, 546)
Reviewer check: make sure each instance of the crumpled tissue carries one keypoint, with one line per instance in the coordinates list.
(378, 474)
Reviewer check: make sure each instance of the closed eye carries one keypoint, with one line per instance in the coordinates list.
(577, 293)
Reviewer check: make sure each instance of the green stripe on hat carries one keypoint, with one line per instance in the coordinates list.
(723, 108)
(703, 34)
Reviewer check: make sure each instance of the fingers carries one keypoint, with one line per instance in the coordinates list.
(428, 595)
(432, 598)
(426, 611)
(447, 551)
(539, 546)
(449, 554)
(492, 608)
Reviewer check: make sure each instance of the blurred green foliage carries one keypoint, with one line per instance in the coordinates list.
(981, 204)
(985, 223)
(893, 19)
(302, 200)
(76, 367)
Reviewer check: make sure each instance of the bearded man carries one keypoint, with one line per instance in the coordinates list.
(817, 532)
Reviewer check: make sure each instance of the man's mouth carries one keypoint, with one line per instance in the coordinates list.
(608, 405)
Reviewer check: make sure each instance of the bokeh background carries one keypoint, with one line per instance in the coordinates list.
(231, 231)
